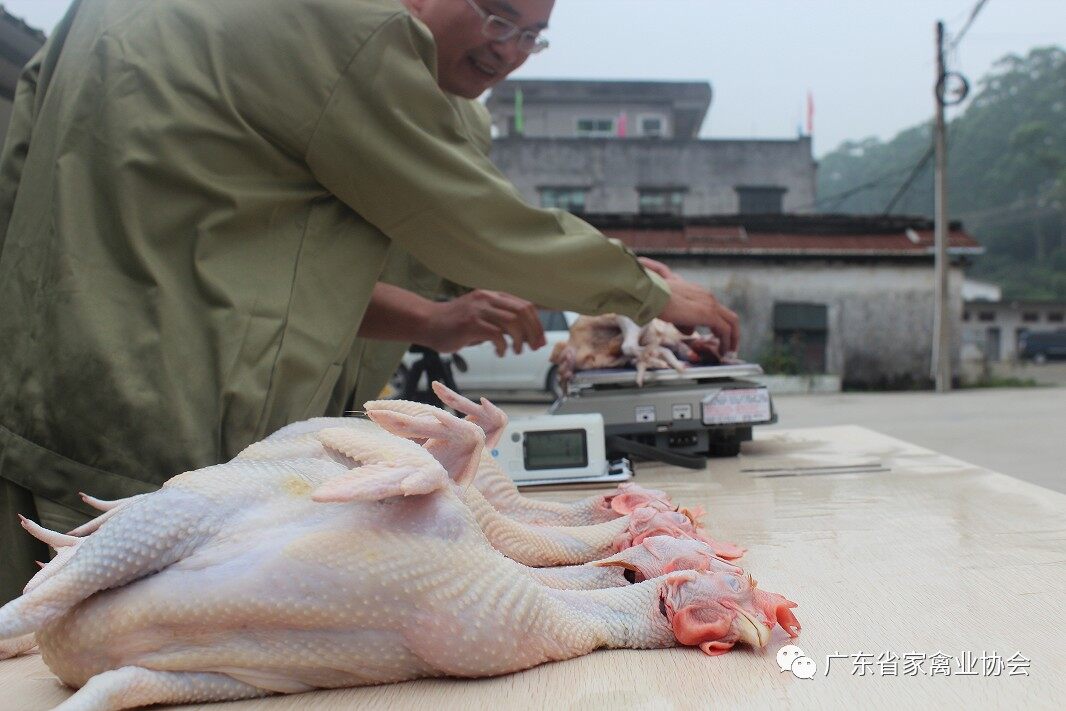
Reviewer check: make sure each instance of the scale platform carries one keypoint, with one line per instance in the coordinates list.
(677, 417)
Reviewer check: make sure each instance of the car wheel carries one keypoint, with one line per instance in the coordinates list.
(1040, 358)
(552, 384)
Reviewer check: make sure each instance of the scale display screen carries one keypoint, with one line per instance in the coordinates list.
(555, 449)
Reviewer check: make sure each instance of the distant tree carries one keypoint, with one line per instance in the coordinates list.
(1006, 174)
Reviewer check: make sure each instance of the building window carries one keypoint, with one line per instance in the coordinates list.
(652, 127)
(761, 200)
(1054, 317)
(595, 128)
(662, 201)
(986, 316)
(1030, 316)
(800, 336)
(569, 199)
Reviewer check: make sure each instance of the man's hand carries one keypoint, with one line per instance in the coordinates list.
(396, 314)
(481, 316)
(691, 306)
(658, 267)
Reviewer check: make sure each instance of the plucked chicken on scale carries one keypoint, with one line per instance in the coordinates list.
(614, 341)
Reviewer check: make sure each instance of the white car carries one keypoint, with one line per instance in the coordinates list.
(528, 371)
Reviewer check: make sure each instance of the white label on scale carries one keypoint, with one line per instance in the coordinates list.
(681, 412)
(645, 413)
(737, 405)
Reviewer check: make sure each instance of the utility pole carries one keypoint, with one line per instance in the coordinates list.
(941, 365)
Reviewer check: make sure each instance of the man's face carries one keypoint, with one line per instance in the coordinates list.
(468, 62)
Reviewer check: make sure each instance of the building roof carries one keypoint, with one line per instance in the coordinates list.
(788, 235)
(690, 100)
(18, 43)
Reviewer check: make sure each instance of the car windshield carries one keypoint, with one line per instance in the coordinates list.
(553, 320)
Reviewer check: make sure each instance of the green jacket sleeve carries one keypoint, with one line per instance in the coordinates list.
(17, 143)
(391, 146)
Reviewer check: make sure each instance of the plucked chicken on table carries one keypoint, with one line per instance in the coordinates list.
(501, 491)
(642, 512)
(300, 439)
(530, 544)
(281, 576)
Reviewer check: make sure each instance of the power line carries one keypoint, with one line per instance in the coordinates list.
(919, 166)
(840, 197)
(915, 171)
(877, 182)
(965, 28)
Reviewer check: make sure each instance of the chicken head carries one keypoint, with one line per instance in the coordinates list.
(714, 611)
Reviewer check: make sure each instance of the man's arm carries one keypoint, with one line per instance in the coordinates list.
(395, 314)
(391, 146)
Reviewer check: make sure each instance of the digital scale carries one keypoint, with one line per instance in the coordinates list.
(679, 418)
(676, 417)
(558, 449)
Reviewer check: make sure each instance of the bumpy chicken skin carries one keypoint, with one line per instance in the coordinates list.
(308, 574)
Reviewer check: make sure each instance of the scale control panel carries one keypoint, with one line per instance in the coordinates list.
(713, 406)
(553, 447)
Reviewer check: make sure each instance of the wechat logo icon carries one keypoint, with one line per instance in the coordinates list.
(791, 658)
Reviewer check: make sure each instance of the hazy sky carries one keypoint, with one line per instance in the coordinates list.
(868, 63)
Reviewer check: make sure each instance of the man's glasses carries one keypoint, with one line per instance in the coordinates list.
(500, 29)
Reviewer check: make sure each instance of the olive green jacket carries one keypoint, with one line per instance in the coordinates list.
(196, 199)
(372, 362)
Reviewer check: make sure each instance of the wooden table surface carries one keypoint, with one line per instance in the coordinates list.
(888, 548)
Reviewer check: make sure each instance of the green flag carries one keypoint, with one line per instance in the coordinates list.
(519, 119)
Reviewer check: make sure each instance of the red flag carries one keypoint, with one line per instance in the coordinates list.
(810, 113)
(623, 125)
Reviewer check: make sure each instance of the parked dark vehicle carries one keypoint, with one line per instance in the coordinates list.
(1043, 346)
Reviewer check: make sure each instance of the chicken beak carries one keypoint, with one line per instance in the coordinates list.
(751, 630)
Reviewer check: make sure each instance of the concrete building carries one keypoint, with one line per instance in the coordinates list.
(992, 330)
(18, 42)
(836, 294)
(841, 295)
(630, 148)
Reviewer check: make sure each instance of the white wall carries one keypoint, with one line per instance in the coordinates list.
(880, 314)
